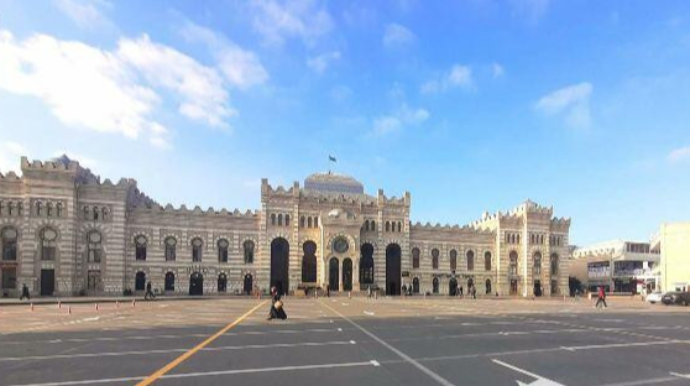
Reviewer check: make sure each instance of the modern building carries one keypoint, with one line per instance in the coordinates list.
(66, 232)
(672, 242)
(618, 266)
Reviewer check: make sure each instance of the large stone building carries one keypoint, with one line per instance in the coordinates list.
(65, 232)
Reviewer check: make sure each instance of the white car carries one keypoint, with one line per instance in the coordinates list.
(654, 297)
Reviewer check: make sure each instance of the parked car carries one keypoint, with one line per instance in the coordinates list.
(654, 297)
(676, 298)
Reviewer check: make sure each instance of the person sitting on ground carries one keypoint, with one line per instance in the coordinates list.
(25, 293)
(277, 311)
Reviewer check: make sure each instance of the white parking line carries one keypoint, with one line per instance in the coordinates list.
(399, 353)
(166, 351)
(542, 381)
(209, 373)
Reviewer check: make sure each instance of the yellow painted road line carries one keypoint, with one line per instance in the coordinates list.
(165, 369)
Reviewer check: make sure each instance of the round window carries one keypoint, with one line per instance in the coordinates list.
(196, 242)
(223, 243)
(341, 245)
(94, 237)
(49, 234)
(171, 241)
(141, 240)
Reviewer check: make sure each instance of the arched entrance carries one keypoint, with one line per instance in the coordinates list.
(248, 284)
(170, 281)
(415, 285)
(333, 275)
(280, 263)
(435, 285)
(488, 286)
(537, 288)
(140, 281)
(452, 287)
(366, 267)
(347, 274)
(309, 262)
(393, 269)
(196, 284)
(222, 283)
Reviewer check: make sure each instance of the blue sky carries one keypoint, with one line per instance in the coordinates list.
(470, 105)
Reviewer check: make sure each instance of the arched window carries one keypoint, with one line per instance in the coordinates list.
(9, 244)
(248, 251)
(48, 239)
(399, 226)
(488, 286)
(316, 222)
(105, 212)
(415, 258)
(170, 249)
(39, 209)
(273, 219)
(536, 264)
(435, 285)
(287, 220)
(453, 259)
(513, 263)
(434, 259)
(280, 219)
(373, 225)
(223, 250)
(470, 260)
(140, 246)
(197, 247)
(366, 225)
(140, 281)
(301, 222)
(95, 213)
(309, 225)
(87, 212)
(95, 247)
(169, 281)
(366, 264)
(388, 226)
(58, 208)
(554, 264)
(49, 210)
(309, 262)
(487, 261)
(20, 209)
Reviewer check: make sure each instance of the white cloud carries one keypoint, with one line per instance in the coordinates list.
(396, 121)
(240, 67)
(572, 102)
(458, 76)
(320, 63)
(83, 86)
(397, 35)
(497, 70)
(85, 13)
(112, 91)
(10, 153)
(199, 87)
(681, 154)
(277, 21)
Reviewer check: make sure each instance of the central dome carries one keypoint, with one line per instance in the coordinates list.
(333, 183)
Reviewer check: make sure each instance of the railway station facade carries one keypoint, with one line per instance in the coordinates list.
(65, 232)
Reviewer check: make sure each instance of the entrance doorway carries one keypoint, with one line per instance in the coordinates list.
(93, 281)
(169, 282)
(333, 281)
(453, 287)
(222, 283)
(434, 285)
(47, 282)
(513, 286)
(347, 275)
(537, 288)
(280, 263)
(196, 284)
(140, 281)
(393, 270)
(248, 284)
(415, 285)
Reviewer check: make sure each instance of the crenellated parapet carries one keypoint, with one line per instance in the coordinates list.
(197, 211)
(10, 177)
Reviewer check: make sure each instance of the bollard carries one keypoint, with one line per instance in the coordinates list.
(96, 307)
(59, 304)
(69, 310)
(32, 307)
(134, 302)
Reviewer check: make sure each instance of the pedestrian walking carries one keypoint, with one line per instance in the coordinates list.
(474, 292)
(25, 293)
(601, 298)
(404, 290)
(369, 292)
(461, 289)
(149, 292)
(277, 311)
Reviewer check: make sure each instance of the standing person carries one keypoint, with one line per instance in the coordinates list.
(149, 292)
(461, 290)
(25, 293)
(328, 290)
(404, 290)
(474, 292)
(369, 292)
(602, 298)
(277, 311)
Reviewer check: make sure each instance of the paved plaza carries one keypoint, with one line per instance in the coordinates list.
(341, 341)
